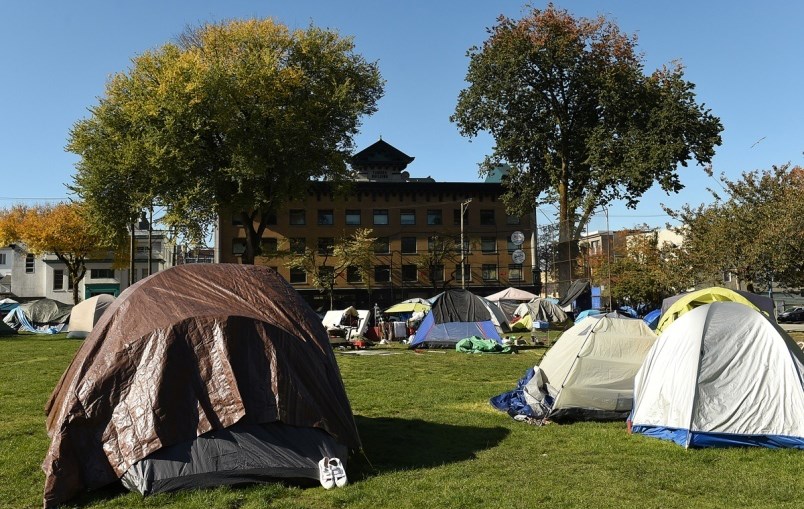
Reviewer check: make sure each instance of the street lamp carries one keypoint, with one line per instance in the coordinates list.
(464, 204)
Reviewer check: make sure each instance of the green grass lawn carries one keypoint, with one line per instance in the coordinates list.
(431, 440)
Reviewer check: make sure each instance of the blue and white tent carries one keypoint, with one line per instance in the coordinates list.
(458, 314)
(722, 375)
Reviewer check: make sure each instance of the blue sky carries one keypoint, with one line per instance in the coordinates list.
(744, 57)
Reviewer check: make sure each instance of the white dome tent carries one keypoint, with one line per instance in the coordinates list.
(722, 375)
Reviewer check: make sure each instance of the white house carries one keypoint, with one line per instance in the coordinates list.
(40, 276)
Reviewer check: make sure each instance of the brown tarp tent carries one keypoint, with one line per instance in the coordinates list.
(191, 352)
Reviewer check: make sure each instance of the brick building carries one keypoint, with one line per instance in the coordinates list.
(407, 216)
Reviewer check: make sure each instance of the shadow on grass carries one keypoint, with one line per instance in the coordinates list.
(389, 443)
(403, 444)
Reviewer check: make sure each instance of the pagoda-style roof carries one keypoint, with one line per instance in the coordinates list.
(381, 154)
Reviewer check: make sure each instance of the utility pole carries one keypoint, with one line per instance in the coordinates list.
(464, 204)
(535, 263)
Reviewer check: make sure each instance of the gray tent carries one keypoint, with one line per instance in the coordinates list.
(41, 316)
(86, 314)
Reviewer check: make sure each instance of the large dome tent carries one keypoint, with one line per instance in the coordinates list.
(722, 375)
(675, 306)
(587, 375)
(457, 314)
(199, 375)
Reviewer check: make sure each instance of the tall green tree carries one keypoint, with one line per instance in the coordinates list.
(232, 119)
(576, 117)
(753, 232)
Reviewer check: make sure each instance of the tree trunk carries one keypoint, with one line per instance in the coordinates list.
(567, 246)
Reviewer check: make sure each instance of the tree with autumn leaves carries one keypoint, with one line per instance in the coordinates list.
(754, 231)
(61, 229)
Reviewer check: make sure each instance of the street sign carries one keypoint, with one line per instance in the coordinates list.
(517, 238)
(518, 256)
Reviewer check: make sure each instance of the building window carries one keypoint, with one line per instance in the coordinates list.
(270, 245)
(297, 217)
(594, 247)
(512, 247)
(726, 276)
(467, 272)
(489, 272)
(410, 273)
(382, 273)
(326, 218)
(270, 218)
(515, 272)
(327, 274)
(30, 263)
(456, 217)
(466, 247)
(488, 245)
(434, 217)
(353, 274)
(237, 220)
(407, 216)
(143, 273)
(381, 216)
(297, 246)
(353, 217)
(408, 245)
(487, 217)
(382, 245)
(101, 273)
(437, 273)
(2, 258)
(58, 279)
(326, 245)
(238, 246)
(513, 220)
(298, 276)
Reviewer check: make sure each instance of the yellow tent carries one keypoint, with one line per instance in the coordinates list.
(407, 307)
(692, 300)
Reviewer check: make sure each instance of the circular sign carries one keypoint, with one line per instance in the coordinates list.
(518, 256)
(517, 238)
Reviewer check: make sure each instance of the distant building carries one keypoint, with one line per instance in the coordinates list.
(405, 215)
(45, 276)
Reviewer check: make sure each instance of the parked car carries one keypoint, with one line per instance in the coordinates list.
(792, 315)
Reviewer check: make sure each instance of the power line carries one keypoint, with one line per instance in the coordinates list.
(41, 199)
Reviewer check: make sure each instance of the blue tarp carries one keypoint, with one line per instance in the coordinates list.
(448, 334)
(652, 318)
(514, 403)
(585, 313)
(698, 439)
(17, 314)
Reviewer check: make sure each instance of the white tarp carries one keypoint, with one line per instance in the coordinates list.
(335, 319)
(512, 294)
(719, 370)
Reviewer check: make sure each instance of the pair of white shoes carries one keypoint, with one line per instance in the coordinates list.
(331, 473)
